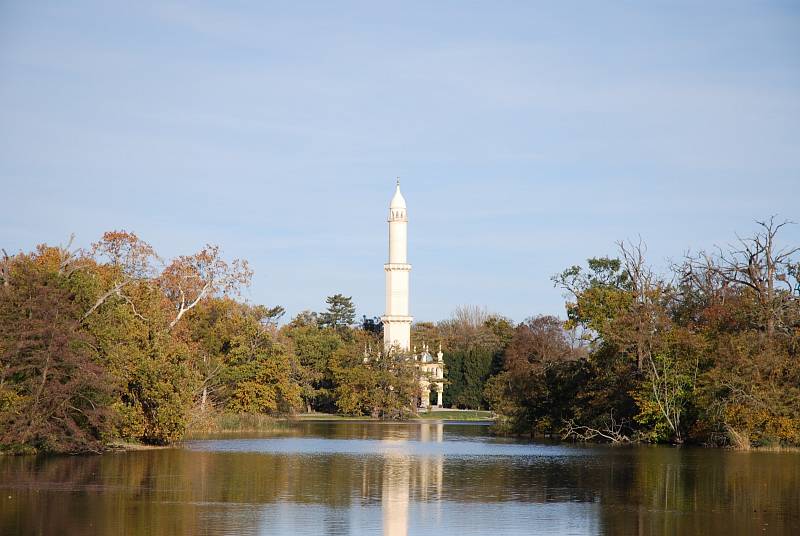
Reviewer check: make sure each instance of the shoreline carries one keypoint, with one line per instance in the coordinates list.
(125, 446)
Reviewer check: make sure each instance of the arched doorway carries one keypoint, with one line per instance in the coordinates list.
(432, 396)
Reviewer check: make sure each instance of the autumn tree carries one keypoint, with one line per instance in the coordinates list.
(53, 395)
(465, 329)
(745, 301)
(758, 267)
(122, 259)
(542, 373)
(382, 385)
(626, 312)
(189, 279)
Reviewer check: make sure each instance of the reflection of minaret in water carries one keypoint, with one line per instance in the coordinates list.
(405, 476)
(430, 468)
(394, 497)
(431, 431)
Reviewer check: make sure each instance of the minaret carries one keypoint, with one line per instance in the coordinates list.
(396, 321)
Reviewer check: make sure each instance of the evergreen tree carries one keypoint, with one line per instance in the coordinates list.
(476, 369)
(453, 373)
(341, 312)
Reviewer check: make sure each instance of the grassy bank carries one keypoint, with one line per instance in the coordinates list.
(438, 414)
(245, 422)
(234, 422)
(317, 416)
(457, 415)
(242, 422)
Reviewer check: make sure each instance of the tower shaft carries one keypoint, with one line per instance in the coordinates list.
(396, 320)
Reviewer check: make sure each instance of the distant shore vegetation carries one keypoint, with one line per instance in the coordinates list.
(114, 345)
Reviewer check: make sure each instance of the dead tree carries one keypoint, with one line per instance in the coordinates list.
(188, 280)
(131, 257)
(756, 264)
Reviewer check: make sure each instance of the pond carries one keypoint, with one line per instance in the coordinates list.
(339, 477)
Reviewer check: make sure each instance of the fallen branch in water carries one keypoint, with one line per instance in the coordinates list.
(611, 431)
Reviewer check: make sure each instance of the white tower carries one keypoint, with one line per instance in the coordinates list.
(396, 321)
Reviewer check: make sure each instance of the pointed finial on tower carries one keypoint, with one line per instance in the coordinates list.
(398, 201)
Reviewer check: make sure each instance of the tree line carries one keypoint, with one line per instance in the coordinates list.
(706, 354)
(113, 343)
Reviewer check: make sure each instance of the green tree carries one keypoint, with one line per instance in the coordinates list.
(340, 314)
(473, 341)
(220, 329)
(476, 368)
(384, 386)
(454, 376)
(260, 373)
(313, 347)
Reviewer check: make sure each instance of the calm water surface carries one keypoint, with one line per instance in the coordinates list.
(412, 478)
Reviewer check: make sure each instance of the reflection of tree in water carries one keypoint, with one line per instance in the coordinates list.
(701, 491)
(177, 491)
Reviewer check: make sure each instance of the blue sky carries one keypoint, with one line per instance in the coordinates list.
(527, 136)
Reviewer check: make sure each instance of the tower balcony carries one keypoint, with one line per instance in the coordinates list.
(397, 319)
(397, 267)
